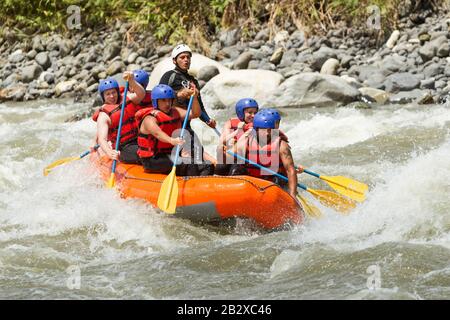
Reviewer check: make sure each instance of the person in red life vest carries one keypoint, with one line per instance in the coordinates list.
(232, 130)
(108, 117)
(266, 146)
(142, 77)
(158, 130)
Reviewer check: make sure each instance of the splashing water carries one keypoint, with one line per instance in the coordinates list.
(126, 249)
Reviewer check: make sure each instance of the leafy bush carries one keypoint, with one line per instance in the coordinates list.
(175, 20)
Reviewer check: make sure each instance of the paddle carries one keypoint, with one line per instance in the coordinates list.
(168, 194)
(59, 162)
(327, 198)
(348, 187)
(309, 208)
(112, 178)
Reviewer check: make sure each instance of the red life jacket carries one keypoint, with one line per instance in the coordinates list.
(264, 156)
(234, 126)
(149, 145)
(146, 102)
(129, 129)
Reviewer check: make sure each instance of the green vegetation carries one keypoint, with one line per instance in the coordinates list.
(195, 20)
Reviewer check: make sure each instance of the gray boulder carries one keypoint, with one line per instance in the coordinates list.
(402, 82)
(229, 37)
(242, 61)
(111, 51)
(31, 73)
(313, 89)
(319, 57)
(207, 73)
(43, 60)
(16, 57)
(115, 67)
(429, 49)
(228, 87)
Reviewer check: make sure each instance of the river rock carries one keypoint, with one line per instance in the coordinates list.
(132, 57)
(380, 96)
(403, 97)
(43, 60)
(262, 35)
(229, 37)
(132, 67)
(402, 82)
(36, 44)
(225, 89)
(319, 57)
(47, 77)
(330, 67)
(31, 73)
(15, 93)
(276, 56)
(16, 57)
(393, 39)
(31, 54)
(433, 70)
(207, 73)
(429, 49)
(242, 61)
(313, 89)
(65, 86)
(13, 78)
(92, 88)
(281, 38)
(288, 58)
(115, 67)
(111, 51)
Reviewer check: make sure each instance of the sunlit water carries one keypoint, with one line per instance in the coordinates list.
(396, 245)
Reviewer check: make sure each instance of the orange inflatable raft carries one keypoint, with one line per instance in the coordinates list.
(210, 199)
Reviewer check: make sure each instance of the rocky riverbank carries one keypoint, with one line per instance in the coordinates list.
(285, 69)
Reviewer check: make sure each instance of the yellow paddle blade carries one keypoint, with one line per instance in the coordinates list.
(348, 187)
(168, 195)
(333, 200)
(111, 181)
(309, 208)
(59, 162)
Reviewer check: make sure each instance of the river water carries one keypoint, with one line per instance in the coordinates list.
(65, 236)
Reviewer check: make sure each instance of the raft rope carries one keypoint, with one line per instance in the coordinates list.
(125, 176)
(260, 189)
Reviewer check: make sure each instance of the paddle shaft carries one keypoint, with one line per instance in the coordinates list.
(84, 154)
(182, 128)
(168, 193)
(122, 111)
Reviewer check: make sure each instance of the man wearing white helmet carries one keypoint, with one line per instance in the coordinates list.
(179, 79)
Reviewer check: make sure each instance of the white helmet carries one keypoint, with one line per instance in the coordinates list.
(179, 49)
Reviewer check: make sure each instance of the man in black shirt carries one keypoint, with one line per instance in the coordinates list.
(180, 80)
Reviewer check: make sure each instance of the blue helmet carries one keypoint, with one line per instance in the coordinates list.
(275, 113)
(243, 104)
(106, 84)
(265, 120)
(141, 77)
(161, 91)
